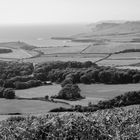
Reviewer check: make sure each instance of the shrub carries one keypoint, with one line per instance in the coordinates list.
(9, 93)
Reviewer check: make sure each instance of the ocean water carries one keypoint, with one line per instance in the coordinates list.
(40, 35)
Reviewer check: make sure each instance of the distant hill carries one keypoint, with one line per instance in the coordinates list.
(114, 28)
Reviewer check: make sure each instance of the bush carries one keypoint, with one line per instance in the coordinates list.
(69, 92)
(28, 84)
(9, 93)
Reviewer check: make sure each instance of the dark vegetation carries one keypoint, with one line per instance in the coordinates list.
(110, 124)
(126, 99)
(7, 93)
(69, 92)
(128, 51)
(66, 73)
(87, 73)
(5, 50)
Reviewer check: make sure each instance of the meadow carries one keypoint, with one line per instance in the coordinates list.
(92, 92)
(9, 107)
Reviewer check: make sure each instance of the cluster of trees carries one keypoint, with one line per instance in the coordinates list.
(28, 84)
(93, 74)
(21, 84)
(7, 93)
(13, 69)
(41, 70)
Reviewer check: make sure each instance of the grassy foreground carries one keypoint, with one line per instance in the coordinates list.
(111, 124)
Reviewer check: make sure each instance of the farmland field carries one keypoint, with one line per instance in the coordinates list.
(39, 91)
(103, 91)
(61, 49)
(111, 47)
(27, 106)
(93, 92)
(62, 58)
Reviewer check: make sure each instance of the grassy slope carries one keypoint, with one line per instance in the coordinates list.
(119, 123)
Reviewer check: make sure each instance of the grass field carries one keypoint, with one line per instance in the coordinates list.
(93, 92)
(111, 47)
(62, 49)
(106, 91)
(62, 58)
(27, 106)
(39, 91)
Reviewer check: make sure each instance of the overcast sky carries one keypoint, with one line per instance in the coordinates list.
(67, 11)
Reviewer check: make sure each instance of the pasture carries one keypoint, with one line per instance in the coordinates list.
(106, 91)
(41, 91)
(27, 106)
(93, 92)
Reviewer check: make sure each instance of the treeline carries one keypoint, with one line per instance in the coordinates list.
(87, 75)
(13, 69)
(20, 82)
(128, 51)
(25, 75)
(43, 69)
(126, 99)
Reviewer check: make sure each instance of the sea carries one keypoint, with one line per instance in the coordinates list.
(40, 35)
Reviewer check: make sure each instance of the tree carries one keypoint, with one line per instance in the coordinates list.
(9, 93)
(66, 81)
(69, 91)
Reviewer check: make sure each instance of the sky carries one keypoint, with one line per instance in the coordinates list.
(67, 11)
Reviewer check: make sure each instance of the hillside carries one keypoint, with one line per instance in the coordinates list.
(107, 28)
(118, 123)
